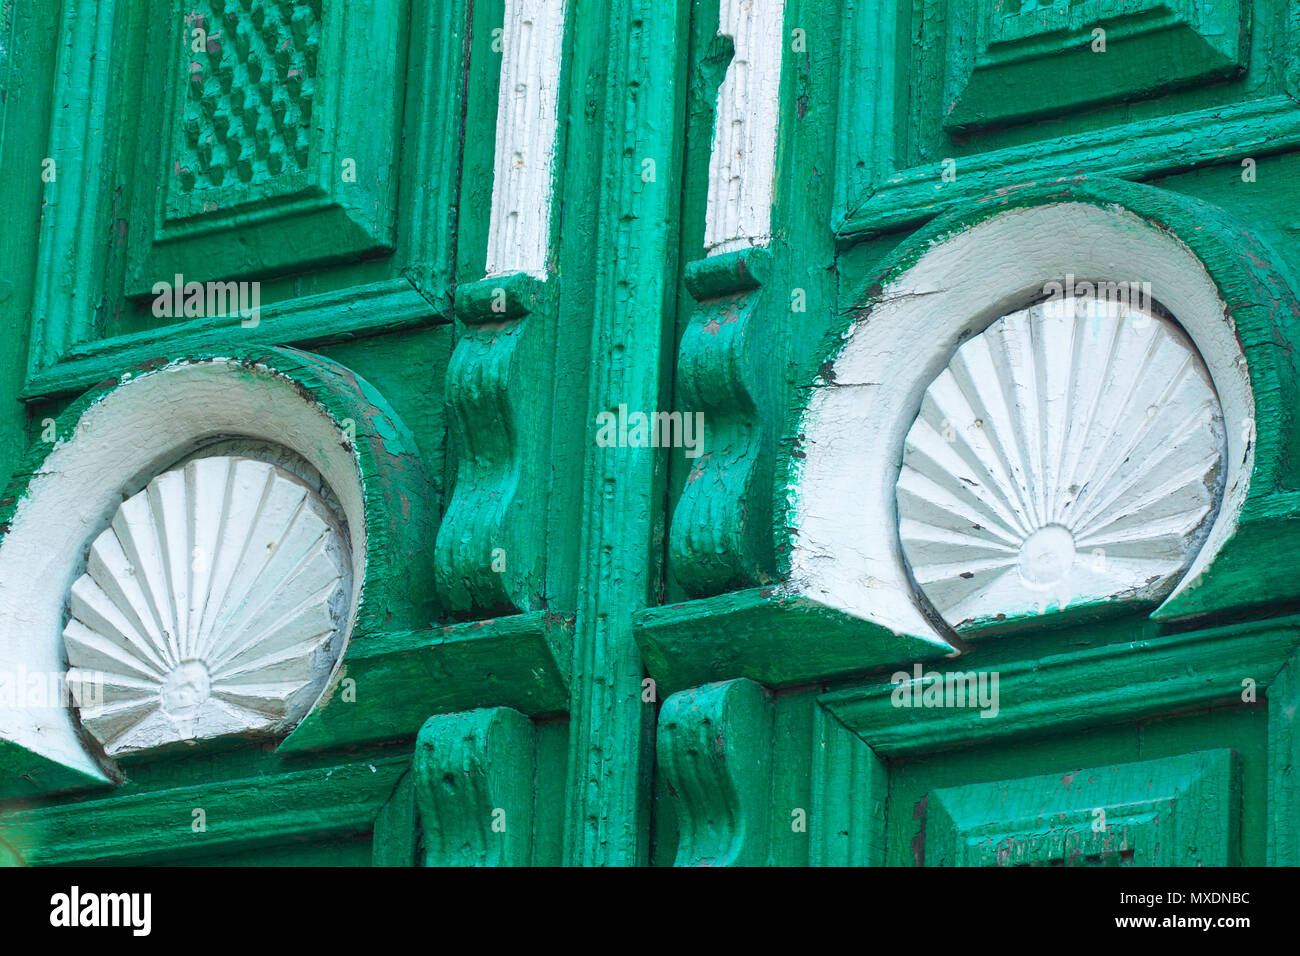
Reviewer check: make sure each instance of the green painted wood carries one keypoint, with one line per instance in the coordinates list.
(1284, 766)
(794, 723)
(1249, 275)
(473, 782)
(721, 528)
(396, 838)
(622, 531)
(27, 68)
(347, 105)
(1030, 64)
(548, 791)
(265, 810)
(310, 322)
(24, 774)
(1179, 811)
(1075, 688)
(760, 634)
(905, 70)
(621, 563)
(715, 748)
(395, 486)
(491, 543)
(850, 789)
(390, 684)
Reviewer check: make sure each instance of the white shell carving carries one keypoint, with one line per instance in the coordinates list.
(1069, 454)
(214, 604)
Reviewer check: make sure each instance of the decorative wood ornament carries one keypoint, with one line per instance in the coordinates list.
(1069, 454)
(213, 604)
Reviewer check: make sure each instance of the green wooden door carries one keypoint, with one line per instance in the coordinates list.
(759, 432)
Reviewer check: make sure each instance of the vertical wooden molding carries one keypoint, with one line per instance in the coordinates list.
(432, 154)
(396, 837)
(715, 748)
(850, 791)
(742, 165)
(608, 821)
(866, 136)
(1284, 765)
(74, 220)
(527, 110)
(473, 779)
(721, 533)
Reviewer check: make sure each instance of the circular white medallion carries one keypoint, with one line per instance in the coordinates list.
(213, 604)
(1069, 454)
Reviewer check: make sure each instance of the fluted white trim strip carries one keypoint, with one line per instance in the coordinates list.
(742, 166)
(527, 126)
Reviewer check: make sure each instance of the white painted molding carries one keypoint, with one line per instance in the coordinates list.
(742, 165)
(213, 604)
(1069, 454)
(845, 549)
(133, 433)
(519, 229)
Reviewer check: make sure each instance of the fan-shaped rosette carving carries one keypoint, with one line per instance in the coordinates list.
(214, 604)
(1069, 454)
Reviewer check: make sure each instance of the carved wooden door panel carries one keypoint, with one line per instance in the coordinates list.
(596, 432)
(996, 617)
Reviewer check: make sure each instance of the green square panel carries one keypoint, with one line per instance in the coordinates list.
(1178, 811)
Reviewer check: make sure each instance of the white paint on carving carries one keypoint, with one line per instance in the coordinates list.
(845, 545)
(523, 170)
(1069, 454)
(742, 166)
(213, 604)
(135, 432)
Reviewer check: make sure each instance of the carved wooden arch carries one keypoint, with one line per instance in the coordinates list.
(837, 527)
(115, 438)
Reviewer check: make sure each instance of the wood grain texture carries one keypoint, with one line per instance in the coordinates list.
(850, 790)
(330, 192)
(906, 72)
(391, 682)
(491, 543)
(267, 810)
(396, 840)
(762, 635)
(721, 534)
(308, 322)
(715, 746)
(1179, 811)
(473, 778)
(611, 727)
(1084, 688)
(1284, 766)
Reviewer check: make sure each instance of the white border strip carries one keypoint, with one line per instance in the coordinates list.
(742, 166)
(527, 129)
